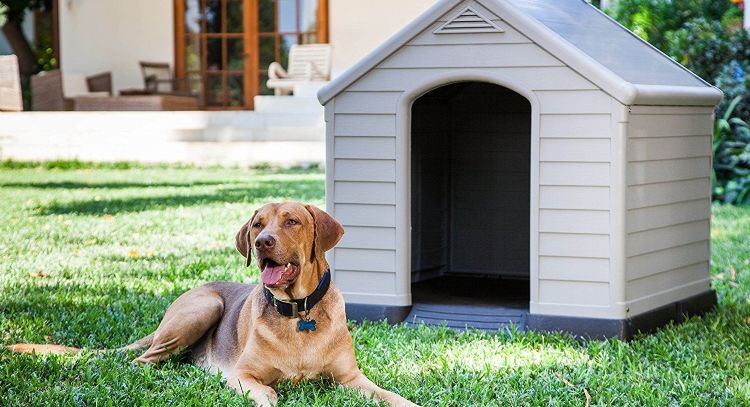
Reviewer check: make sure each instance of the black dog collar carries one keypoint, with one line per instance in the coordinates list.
(292, 308)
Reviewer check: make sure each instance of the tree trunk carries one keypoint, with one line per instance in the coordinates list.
(26, 59)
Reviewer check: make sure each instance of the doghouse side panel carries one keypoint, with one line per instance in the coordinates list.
(575, 200)
(668, 205)
(362, 170)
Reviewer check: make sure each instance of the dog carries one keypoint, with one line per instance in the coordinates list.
(290, 327)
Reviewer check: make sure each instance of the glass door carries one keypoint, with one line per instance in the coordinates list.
(224, 47)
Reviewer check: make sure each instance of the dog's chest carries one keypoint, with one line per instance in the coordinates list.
(308, 352)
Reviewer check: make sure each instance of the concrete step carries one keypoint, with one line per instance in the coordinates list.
(287, 104)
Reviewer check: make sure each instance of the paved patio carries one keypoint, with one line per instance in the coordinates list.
(281, 131)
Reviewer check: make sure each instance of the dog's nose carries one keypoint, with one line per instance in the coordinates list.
(264, 242)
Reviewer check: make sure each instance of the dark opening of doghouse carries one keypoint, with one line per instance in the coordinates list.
(470, 160)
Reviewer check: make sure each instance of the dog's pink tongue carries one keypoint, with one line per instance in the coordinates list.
(272, 275)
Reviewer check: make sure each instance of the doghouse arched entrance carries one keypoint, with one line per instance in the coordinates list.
(470, 180)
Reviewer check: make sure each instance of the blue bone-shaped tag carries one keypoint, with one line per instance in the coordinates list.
(306, 325)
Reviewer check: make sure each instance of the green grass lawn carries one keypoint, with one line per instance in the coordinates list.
(92, 256)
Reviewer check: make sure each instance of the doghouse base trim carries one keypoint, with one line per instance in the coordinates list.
(593, 328)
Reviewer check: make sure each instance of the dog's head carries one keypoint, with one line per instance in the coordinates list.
(287, 239)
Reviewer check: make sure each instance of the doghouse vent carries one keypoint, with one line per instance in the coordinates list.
(486, 318)
(468, 21)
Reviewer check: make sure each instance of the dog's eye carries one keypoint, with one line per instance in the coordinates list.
(292, 222)
(257, 225)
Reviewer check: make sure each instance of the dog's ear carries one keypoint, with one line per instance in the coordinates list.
(242, 241)
(328, 231)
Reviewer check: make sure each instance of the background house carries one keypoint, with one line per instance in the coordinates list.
(224, 46)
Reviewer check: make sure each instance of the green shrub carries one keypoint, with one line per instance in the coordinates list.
(731, 151)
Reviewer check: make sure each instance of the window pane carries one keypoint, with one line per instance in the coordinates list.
(213, 16)
(287, 15)
(267, 51)
(195, 84)
(213, 54)
(193, 52)
(234, 16)
(308, 15)
(192, 16)
(263, 88)
(309, 39)
(236, 57)
(267, 16)
(214, 91)
(286, 44)
(236, 91)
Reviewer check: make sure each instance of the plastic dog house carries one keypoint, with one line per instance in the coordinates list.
(525, 161)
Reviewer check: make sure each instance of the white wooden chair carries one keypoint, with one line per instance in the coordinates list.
(10, 84)
(307, 63)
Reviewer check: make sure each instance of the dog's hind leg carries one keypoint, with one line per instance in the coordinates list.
(185, 322)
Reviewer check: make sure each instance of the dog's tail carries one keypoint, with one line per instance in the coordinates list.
(50, 349)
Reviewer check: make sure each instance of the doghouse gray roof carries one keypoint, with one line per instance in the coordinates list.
(622, 64)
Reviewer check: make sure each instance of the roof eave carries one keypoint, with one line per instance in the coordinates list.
(675, 95)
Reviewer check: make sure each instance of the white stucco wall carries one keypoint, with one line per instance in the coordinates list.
(358, 26)
(114, 35)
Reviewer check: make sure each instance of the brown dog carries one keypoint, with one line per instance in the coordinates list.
(252, 334)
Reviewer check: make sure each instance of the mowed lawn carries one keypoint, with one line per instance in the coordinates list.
(91, 256)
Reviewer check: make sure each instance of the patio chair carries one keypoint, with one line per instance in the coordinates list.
(10, 84)
(307, 63)
(158, 79)
(55, 90)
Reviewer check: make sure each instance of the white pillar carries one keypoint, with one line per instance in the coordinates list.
(746, 22)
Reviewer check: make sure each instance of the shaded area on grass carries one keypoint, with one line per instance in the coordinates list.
(303, 190)
(109, 185)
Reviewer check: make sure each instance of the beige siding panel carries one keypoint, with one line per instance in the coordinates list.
(365, 170)
(562, 197)
(365, 215)
(666, 237)
(575, 150)
(575, 126)
(365, 125)
(365, 260)
(647, 172)
(574, 101)
(581, 174)
(667, 259)
(671, 214)
(458, 56)
(573, 269)
(367, 102)
(356, 237)
(365, 192)
(510, 36)
(365, 147)
(664, 148)
(573, 245)
(371, 282)
(573, 292)
(571, 221)
(670, 125)
(537, 78)
(666, 280)
(669, 192)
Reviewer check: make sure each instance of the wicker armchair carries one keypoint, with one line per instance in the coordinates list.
(49, 90)
(158, 80)
(10, 84)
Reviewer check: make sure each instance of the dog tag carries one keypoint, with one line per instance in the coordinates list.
(306, 325)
